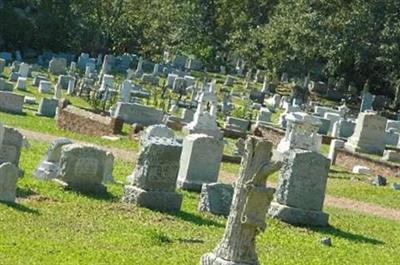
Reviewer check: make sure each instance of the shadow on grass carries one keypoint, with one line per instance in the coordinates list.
(21, 208)
(330, 230)
(97, 195)
(195, 219)
(25, 193)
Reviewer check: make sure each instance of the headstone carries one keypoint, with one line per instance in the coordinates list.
(301, 133)
(369, 134)
(10, 150)
(83, 59)
(21, 83)
(216, 198)
(47, 107)
(125, 91)
(137, 113)
(5, 86)
(367, 101)
(57, 66)
(158, 130)
(45, 86)
(8, 182)
(57, 90)
(170, 80)
(273, 102)
(107, 82)
(150, 79)
(334, 146)
(71, 86)
(187, 115)
(152, 184)
(23, 70)
(10, 102)
(49, 166)
(250, 202)
(200, 161)
(13, 76)
(2, 65)
(37, 79)
(264, 116)
(237, 124)
(300, 194)
(82, 167)
(379, 181)
(391, 156)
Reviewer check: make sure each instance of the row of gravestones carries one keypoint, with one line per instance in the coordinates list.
(162, 164)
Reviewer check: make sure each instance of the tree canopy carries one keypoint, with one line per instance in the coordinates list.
(356, 40)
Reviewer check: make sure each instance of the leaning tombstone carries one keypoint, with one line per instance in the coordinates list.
(8, 182)
(82, 168)
(152, 184)
(300, 195)
(47, 107)
(200, 161)
(49, 166)
(216, 198)
(250, 202)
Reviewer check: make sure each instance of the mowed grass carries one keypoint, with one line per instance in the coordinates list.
(52, 226)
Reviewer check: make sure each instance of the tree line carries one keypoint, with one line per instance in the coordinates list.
(357, 40)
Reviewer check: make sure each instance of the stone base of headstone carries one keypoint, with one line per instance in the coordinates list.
(188, 185)
(211, 259)
(154, 200)
(297, 216)
(216, 198)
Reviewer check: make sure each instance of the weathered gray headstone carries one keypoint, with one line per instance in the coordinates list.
(10, 150)
(36, 80)
(237, 124)
(153, 182)
(45, 86)
(369, 134)
(137, 113)
(82, 167)
(10, 102)
(8, 182)
(216, 198)
(200, 161)
(300, 194)
(57, 66)
(47, 107)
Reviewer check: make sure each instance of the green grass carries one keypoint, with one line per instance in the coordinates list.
(52, 226)
(353, 186)
(45, 125)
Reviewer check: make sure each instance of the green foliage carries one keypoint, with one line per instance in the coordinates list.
(357, 40)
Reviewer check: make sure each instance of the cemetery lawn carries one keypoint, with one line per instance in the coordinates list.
(49, 225)
(46, 125)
